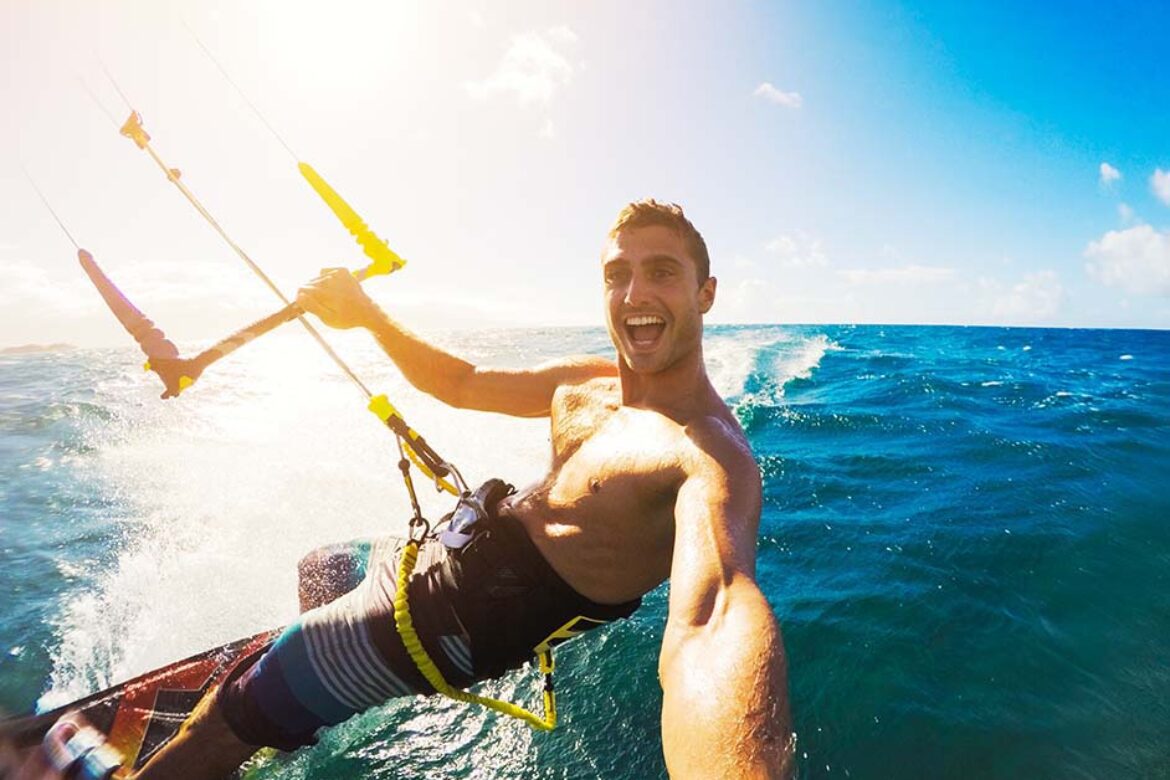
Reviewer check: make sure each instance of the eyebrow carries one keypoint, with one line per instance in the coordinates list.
(664, 258)
(659, 258)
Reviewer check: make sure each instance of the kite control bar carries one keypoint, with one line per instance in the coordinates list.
(163, 358)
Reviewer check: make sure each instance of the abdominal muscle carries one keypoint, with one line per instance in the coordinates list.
(608, 532)
(603, 516)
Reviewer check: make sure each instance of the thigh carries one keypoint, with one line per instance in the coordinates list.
(326, 667)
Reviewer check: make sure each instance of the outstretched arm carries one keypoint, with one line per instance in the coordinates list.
(337, 298)
(722, 667)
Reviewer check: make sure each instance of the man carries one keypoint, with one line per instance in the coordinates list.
(651, 477)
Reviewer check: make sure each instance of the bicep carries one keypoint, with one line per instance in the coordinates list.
(528, 392)
(716, 522)
(716, 518)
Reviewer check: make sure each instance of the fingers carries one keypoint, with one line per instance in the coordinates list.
(309, 299)
(335, 297)
(338, 280)
(333, 274)
(320, 288)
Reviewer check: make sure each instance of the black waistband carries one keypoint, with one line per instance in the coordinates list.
(511, 534)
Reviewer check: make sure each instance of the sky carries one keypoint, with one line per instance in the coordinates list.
(992, 163)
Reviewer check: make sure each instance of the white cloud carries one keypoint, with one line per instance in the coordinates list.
(909, 274)
(533, 68)
(1136, 260)
(157, 284)
(1125, 213)
(773, 95)
(1160, 185)
(798, 251)
(1109, 174)
(55, 303)
(29, 287)
(562, 34)
(1037, 297)
(764, 301)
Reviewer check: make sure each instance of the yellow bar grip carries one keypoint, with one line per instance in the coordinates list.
(385, 260)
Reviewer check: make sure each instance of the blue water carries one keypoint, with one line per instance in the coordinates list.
(965, 537)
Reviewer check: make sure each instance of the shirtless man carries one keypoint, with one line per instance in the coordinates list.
(651, 477)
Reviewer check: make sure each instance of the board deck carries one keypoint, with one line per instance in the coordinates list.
(141, 715)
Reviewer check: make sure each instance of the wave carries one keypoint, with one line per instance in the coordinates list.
(220, 493)
(733, 358)
(800, 363)
(778, 366)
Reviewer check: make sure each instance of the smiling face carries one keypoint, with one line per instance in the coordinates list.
(654, 301)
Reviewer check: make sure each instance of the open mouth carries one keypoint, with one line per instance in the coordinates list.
(645, 330)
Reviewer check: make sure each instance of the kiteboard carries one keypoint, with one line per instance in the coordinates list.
(139, 716)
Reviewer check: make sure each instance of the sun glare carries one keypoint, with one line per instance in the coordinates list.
(337, 51)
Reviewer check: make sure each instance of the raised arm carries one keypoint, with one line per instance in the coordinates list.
(337, 298)
(722, 666)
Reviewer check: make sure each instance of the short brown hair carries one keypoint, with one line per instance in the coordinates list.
(648, 212)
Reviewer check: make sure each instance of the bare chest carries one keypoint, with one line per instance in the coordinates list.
(603, 450)
(603, 516)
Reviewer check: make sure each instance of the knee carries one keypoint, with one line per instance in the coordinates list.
(313, 565)
(327, 573)
(312, 578)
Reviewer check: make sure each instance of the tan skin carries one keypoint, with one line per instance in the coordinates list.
(651, 477)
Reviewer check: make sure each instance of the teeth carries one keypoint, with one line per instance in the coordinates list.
(648, 319)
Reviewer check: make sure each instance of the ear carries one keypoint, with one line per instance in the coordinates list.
(707, 294)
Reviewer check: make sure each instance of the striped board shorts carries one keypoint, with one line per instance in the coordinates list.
(480, 611)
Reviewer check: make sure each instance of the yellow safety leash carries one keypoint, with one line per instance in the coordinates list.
(418, 654)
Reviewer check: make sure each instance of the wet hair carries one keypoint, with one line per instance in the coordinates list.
(649, 212)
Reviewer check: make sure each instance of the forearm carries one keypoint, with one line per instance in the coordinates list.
(432, 370)
(339, 301)
(725, 691)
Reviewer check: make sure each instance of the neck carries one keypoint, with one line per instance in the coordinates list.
(680, 391)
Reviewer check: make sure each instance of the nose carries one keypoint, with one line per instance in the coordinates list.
(637, 291)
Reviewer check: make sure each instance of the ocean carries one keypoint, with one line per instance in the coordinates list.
(965, 536)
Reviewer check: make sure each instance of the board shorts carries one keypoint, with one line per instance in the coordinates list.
(480, 611)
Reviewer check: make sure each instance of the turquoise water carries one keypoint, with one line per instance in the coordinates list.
(965, 537)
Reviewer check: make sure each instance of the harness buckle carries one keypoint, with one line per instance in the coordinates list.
(472, 511)
(420, 525)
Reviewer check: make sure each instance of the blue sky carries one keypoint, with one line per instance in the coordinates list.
(983, 163)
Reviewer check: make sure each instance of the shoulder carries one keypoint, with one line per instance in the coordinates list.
(720, 456)
(581, 367)
(718, 441)
(584, 386)
(578, 370)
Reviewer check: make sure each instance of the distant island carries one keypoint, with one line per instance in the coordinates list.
(24, 349)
